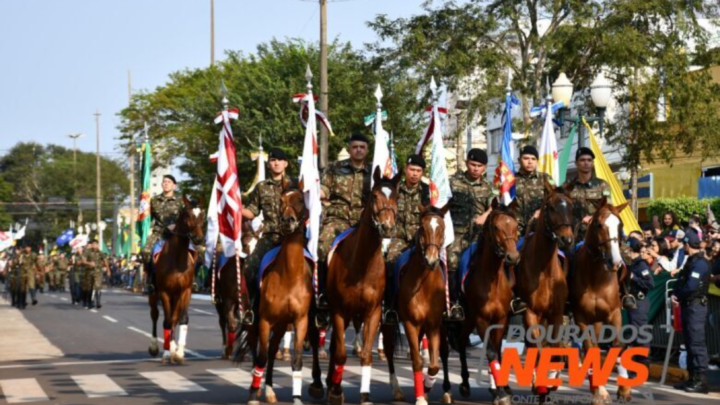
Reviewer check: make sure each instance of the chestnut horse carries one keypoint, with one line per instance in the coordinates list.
(541, 274)
(285, 298)
(227, 305)
(174, 276)
(488, 294)
(356, 283)
(421, 304)
(594, 285)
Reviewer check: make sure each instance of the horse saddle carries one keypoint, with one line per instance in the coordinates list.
(401, 265)
(158, 247)
(270, 258)
(336, 242)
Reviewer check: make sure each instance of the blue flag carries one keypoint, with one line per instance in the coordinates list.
(505, 173)
(65, 238)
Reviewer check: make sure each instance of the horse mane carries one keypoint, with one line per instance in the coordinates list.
(561, 190)
(432, 210)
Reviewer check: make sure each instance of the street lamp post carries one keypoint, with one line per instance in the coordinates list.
(600, 93)
(75, 137)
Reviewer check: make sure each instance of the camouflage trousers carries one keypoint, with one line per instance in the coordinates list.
(454, 251)
(149, 245)
(252, 265)
(331, 228)
(397, 246)
(92, 280)
(27, 280)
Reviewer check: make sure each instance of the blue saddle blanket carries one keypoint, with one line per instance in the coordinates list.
(270, 257)
(338, 239)
(400, 264)
(157, 248)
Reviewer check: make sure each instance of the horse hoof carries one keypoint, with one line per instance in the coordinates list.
(398, 395)
(175, 358)
(624, 394)
(224, 355)
(316, 391)
(421, 401)
(465, 390)
(503, 401)
(447, 398)
(322, 354)
(270, 396)
(382, 356)
(336, 399)
(286, 356)
(153, 351)
(297, 401)
(253, 402)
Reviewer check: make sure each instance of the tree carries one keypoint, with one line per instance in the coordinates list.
(44, 186)
(180, 114)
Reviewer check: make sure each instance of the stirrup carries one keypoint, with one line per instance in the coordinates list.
(322, 303)
(391, 318)
(456, 314)
(321, 320)
(248, 317)
(629, 302)
(517, 306)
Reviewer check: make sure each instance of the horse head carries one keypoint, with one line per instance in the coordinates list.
(292, 208)
(431, 234)
(556, 215)
(501, 228)
(603, 235)
(190, 221)
(383, 201)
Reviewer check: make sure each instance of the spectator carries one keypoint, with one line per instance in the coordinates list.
(714, 254)
(647, 233)
(658, 251)
(675, 253)
(694, 222)
(669, 223)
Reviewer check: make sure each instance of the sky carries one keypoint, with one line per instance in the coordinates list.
(63, 61)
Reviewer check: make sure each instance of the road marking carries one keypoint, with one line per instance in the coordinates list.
(200, 297)
(98, 386)
(203, 312)
(383, 377)
(76, 363)
(110, 318)
(64, 299)
(161, 340)
(53, 295)
(235, 376)
(172, 382)
(22, 390)
(94, 311)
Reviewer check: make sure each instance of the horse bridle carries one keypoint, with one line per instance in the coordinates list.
(499, 249)
(303, 216)
(420, 245)
(603, 255)
(375, 215)
(550, 231)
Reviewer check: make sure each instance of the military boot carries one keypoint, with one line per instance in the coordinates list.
(697, 384)
(98, 294)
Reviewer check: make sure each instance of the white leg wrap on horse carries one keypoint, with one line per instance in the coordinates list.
(622, 371)
(492, 381)
(381, 346)
(553, 374)
(173, 347)
(430, 380)
(365, 382)
(297, 383)
(182, 335)
(287, 339)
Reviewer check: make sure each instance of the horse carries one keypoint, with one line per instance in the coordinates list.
(421, 298)
(488, 294)
(285, 298)
(594, 285)
(356, 283)
(540, 275)
(227, 305)
(174, 276)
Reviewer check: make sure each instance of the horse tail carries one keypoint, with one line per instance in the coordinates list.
(397, 339)
(244, 335)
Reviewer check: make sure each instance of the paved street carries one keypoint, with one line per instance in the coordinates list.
(100, 357)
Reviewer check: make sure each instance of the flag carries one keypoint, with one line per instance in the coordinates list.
(211, 236)
(65, 238)
(393, 158)
(6, 240)
(310, 177)
(548, 149)
(504, 172)
(227, 187)
(603, 171)
(20, 233)
(261, 158)
(381, 155)
(564, 158)
(143, 219)
(304, 111)
(78, 241)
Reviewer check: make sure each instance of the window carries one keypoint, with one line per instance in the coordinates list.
(496, 140)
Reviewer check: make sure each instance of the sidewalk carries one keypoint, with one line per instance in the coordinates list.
(21, 340)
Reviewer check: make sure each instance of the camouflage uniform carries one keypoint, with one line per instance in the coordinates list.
(583, 194)
(470, 199)
(408, 218)
(529, 195)
(265, 198)
(164, 212)
(40, 273)
(76, 277)
(93, 272)
(347, 189)
(60, 267)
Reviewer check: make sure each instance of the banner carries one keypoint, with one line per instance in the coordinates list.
(143, 220)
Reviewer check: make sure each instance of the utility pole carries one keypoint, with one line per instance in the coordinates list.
(323, 82)
(97, 175)
(132, 174)
(212, 32)
(75, 137)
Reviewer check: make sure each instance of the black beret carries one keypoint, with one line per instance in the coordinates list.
(416, 160)
(692, 238)
(530, 150)
(477, 155)
(171, 177)
(584, 151)
(359, 138)
(277, 153)
(635, 245)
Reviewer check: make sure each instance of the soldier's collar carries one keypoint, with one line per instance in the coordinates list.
(478, 181)
(407, 188)
(589, 183)
(524, 173)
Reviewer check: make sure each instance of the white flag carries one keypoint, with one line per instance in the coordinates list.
(548, 149)
(381, 155)
(440, 192)
(310, 177)
(213, 229)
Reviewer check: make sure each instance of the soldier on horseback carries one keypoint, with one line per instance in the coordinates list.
(469, 207)
(345, 187)
(265, 198)
(164, 210)
(586, 189)
(412, 195)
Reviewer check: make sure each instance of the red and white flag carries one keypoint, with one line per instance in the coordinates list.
(310, 176)
(227, 188)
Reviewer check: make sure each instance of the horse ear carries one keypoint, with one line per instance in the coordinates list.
(422, 208)
(301, 185)
(548, 187)
(598, 203)
(569, 187)
(186, 201)
(446, 208)
(513, 205)
(376, 175)
(494, 204)
(621, 207)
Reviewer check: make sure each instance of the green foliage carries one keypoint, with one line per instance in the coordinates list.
(31, 175)
(684, 207)
(6, 190)
(180, 114)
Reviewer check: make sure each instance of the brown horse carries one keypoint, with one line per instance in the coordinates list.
(488, 294)
(174, 276)
(226, 302)
(594, 286)
(421, 306)
(356, 284)
(285, 298)
(541, 274)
